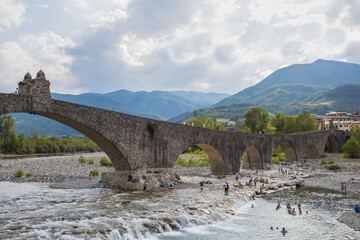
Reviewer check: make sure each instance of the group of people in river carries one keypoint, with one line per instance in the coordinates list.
(283, 231)
(290, 209)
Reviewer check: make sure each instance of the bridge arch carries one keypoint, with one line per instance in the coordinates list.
(334, 145)
(289, 151)
(252, 158)
(311, 152)
(217, 162)
(119, 160)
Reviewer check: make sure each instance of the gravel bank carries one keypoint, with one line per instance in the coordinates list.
(54, 169)
(321, 177)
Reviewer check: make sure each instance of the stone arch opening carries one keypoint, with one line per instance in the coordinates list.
(210, 156)
(278, 155)
(116, 156)
(311, 152)
(289, 151)
(332, 144)
(251, 158)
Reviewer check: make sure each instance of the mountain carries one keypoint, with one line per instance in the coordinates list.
(165, 104)
(297, 83)
(343, 98)
(159, 105)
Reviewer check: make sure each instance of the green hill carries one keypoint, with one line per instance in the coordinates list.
(297, 83)
(343, 98)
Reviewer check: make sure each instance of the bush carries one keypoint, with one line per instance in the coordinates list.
(352, 148)
(19, 173)
(274, 160)
(29, 174)
(333, 167)
(181, 162)
(82, 160)
(95, 172)
(282, 158)
(330, 162)
(105, 162)
(202, 162)
(91, 161)
(327, 161)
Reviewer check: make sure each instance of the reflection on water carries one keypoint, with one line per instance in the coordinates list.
(30, 211)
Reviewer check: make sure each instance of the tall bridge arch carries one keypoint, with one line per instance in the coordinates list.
(134, 143)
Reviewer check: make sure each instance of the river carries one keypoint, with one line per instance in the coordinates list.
(35, 211)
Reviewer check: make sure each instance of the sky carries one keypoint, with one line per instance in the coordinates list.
(194, 45)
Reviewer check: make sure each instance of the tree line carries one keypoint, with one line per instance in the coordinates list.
(257, 120)
(10, 143)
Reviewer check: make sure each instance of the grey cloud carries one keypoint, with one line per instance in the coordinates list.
(336, 36)
(352, 16)
(225, 53)
(291, 48)
(352, 52)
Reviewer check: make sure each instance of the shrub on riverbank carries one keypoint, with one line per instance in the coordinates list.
(82, 160)
(95, 172)
(325, 162)
(106, 162)
(19, 173)
(29, 174)
(91, 161)
(333, 167)
(202, 162)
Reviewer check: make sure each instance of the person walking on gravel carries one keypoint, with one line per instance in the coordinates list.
(226, 187)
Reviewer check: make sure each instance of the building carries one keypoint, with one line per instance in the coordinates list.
(340, 120)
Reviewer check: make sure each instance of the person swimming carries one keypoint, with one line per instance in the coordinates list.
(278, 206)
(283, 231)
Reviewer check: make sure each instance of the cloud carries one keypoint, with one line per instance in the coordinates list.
(46, 51)
(11, 13)
(209, 45)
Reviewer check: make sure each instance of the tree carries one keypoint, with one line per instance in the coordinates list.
(256, 119)
(209, 123)
(355, 132)
(290, 125)
(8, 138)
(305, 122)
(352, 148)
(293, 124)
(6, 126)
(278, 122)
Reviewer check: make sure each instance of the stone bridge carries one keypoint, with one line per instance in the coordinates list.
(134, 143)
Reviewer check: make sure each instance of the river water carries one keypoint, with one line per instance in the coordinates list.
(35, 211)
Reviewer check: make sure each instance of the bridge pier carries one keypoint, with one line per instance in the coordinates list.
(150, 178)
